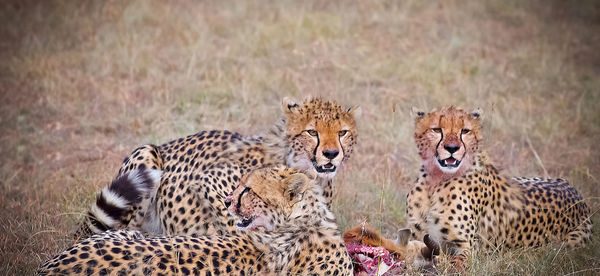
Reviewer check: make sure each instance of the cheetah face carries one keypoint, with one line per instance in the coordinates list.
(265, 197)
(250, 210)
(321, 135)
(448, 138)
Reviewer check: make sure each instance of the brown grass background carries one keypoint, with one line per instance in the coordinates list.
(82, 83)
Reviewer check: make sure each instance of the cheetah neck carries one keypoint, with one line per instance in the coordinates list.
(310, 226)
(433, 176)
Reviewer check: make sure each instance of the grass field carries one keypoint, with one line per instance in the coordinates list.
(82, 83)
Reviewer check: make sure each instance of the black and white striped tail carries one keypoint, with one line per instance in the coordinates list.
(113, 206)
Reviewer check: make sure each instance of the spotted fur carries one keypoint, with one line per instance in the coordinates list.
(304, 238)
(478, 206)
(200, 170)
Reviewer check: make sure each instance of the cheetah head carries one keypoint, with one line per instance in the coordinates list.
(266, 196)
(320, 134)
(447, 139)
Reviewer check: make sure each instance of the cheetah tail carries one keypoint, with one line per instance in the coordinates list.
(113, 206)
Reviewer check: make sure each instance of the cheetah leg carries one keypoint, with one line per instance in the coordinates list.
(417, 205)
(457, 237)
(458, 247)
(581, 235)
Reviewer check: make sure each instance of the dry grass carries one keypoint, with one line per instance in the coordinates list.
(85, 82)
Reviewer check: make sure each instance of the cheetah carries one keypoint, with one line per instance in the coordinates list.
(200, 170)
(285, 228)
(462, 200)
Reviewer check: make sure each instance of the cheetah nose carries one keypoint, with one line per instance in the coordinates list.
(331, 153)
(227, 202)
(451, 148)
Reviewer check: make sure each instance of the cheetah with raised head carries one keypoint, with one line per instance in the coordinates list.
(200, 170)
(286, 228)
(463, 201)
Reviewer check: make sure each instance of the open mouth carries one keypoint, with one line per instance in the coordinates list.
(449, 162)
(245, 222)
(327, 168)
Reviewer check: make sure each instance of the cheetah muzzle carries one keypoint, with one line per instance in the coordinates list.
(449, 163)
(326, 169)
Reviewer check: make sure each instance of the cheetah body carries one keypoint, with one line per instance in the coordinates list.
(200, 170)
(476, 205)
(293, 232)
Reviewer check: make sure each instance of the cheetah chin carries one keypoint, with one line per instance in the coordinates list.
(448, 165)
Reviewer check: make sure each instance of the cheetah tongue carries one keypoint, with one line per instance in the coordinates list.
(450, 161)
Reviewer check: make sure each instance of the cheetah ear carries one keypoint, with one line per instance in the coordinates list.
(290, 106)
(416, 113)
(477, 113)
(355, 111)
(296, 184)
(402, 237)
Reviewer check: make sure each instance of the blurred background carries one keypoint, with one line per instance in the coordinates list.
(82, 83)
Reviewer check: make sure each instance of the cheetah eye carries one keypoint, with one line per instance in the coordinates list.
(312, 132)
(342, 133)
(465, 131)
(437, 130)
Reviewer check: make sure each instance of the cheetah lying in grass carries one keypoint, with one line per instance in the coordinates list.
(463, 201)
(200, 170)
(286, 228)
